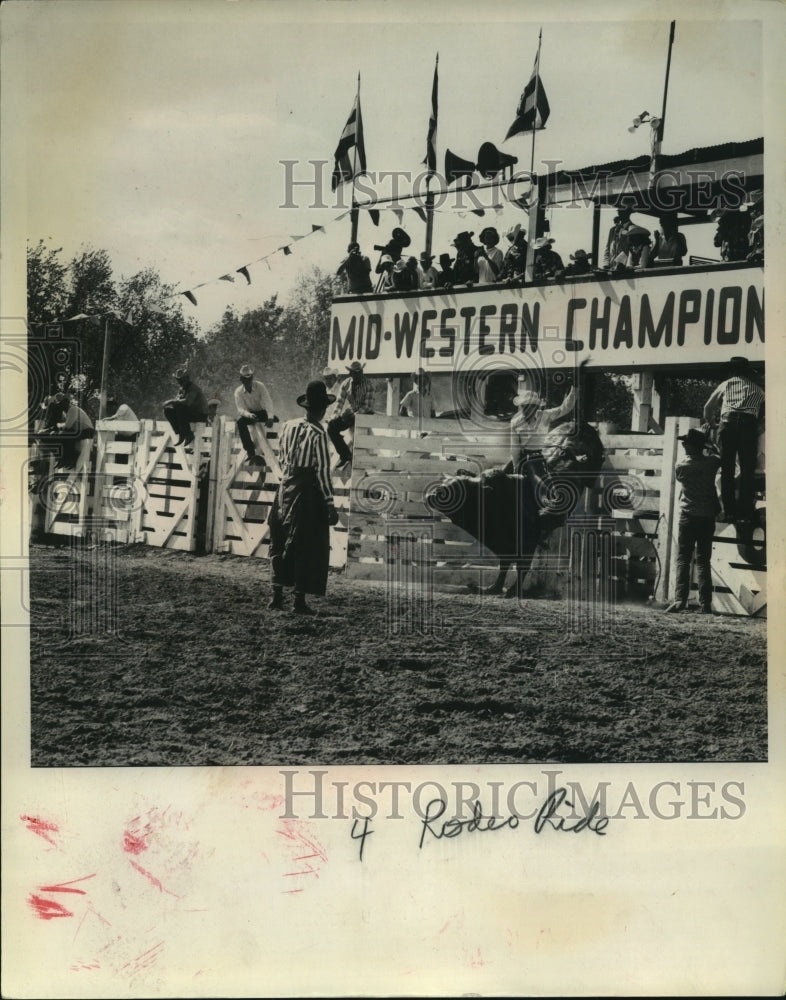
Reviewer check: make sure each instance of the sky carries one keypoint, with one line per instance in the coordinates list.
(156, 130)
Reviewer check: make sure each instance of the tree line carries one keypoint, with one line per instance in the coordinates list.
(151, 337)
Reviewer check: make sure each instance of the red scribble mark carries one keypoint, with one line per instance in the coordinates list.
(147, 958)
(133, 844)
(153, 880)
(82, 966)
(41, 828)
(47, 909)
(316, 853)
(66, 886)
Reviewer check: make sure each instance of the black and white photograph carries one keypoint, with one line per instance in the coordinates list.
(393, 398)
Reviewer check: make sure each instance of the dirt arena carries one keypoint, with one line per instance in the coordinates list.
(199, 672)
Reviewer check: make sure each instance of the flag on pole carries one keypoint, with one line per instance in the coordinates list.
(352, 136)
(533, 110)
(431, 138)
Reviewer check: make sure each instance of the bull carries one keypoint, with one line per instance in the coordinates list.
(511, 513)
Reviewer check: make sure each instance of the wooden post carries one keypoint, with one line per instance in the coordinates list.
(666, 520)
(216, 442)
(642, 401)
(394, 394)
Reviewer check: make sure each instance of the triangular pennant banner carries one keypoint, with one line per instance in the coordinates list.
(373, 214)
(287, 251)
(244, 272)
(420, 212)
(296, 238)
(227, 277)
(399, 214)
(317, 229)
(190, 296)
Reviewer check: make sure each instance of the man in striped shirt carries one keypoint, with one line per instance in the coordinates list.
(740, 401)
(355, 396)
(303, 510)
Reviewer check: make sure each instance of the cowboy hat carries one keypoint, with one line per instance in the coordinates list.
(327, 371)
(464, 237)
(513, 233)
(180, 373)
(637, 233)
(445, 260)
(316, 396)
(527, 397)
(694, 437)
(755, 198)
(401, 237)
(246, 372)
(580, 255)
(427, 256)
(542, 242)
(356, 366)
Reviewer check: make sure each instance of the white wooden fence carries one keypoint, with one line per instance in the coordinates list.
(142, 488)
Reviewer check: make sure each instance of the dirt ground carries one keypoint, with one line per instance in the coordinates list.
(199, 672)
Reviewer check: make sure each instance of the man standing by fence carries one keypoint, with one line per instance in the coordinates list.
(740, 402)
(303, 510)
(254, 405)
(698, 509)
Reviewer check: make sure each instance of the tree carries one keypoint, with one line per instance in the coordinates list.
(47, 294)
(235, 341)
(149, 338)
(301, 351)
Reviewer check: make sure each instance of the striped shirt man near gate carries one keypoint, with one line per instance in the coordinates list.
(740, 402)
(303, 510)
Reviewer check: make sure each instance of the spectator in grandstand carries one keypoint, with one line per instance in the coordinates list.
(616, 242)
(355, 271)
(428, 275)
(385, 271)
(404, 277)
(638, 246)
(355, 396)
(547, 262)
(488, 259)
(445, 270)
(740, 401)
(698, 507)
(303, 510)
(253, 405)
(667, 248)
(581, 263)
(731, 236)
(756, 231)
(464, 265)
(190, 407)
(515, 260)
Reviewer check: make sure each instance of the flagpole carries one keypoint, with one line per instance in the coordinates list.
(529, 263)
(429, 193)
(355, 213)
(658, 137)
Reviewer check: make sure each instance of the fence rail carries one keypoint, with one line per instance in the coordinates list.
(143, 488)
